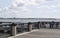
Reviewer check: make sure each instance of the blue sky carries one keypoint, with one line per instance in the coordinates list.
(4, 3)
(30, 8)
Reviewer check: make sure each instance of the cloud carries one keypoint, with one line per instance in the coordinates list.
(25, 2)
(0, 9)
(32, 8)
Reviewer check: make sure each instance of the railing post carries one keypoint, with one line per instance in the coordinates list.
(13, 29)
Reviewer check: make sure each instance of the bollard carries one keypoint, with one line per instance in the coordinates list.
(13, 29)
(39, 25)
(29, 26)
(43, 24)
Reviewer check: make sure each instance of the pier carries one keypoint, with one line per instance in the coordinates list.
(13, 28)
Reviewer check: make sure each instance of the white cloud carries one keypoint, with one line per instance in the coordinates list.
(0, 9)
(32, 8)
(25, 2)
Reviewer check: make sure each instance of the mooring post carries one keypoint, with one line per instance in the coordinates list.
(29, 26)
(39, 25)
(13, 29)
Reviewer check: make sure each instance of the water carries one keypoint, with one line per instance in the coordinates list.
(27, 20)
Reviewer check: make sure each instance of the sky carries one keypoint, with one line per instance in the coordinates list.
(30, 8)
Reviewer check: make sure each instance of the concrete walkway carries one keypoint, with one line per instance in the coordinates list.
(42, 33)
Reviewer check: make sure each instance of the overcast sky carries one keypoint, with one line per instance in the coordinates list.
(30, 8)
